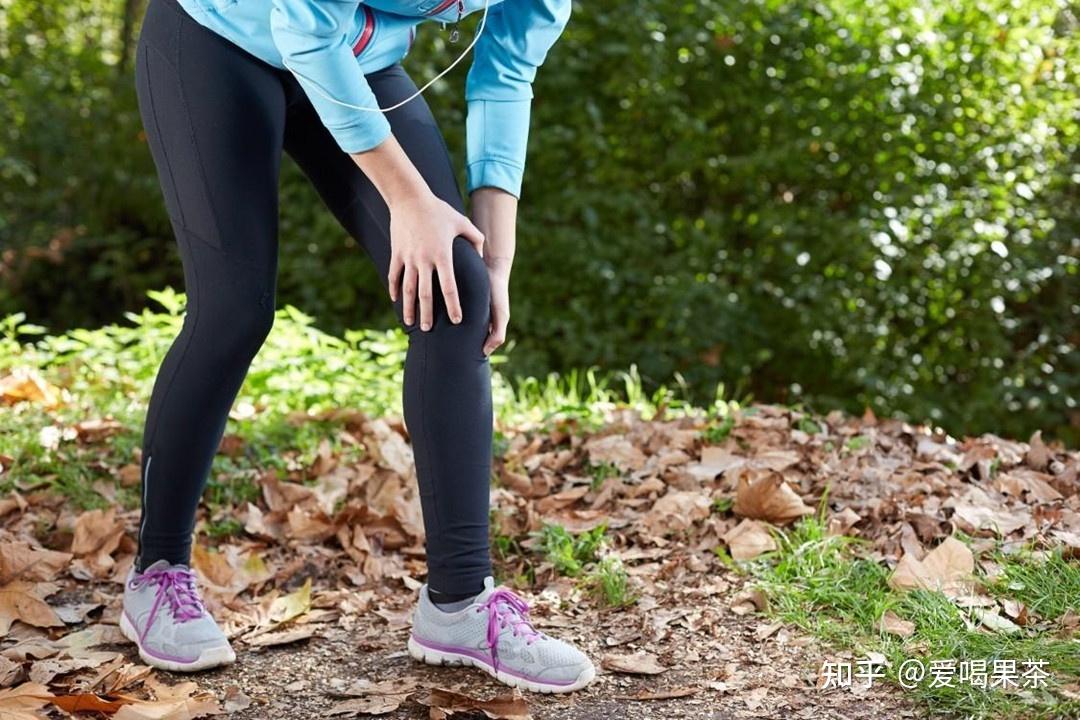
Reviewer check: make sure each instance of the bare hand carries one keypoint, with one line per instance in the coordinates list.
(500, 308)
(422, 233)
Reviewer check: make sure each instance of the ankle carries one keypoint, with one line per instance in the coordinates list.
(145, 560)
(451, 602)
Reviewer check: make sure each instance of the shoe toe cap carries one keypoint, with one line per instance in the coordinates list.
(561, 662)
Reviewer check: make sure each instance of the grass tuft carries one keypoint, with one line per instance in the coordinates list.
(569, 554)
(822, 584)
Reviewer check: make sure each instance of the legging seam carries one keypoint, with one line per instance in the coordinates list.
(180, 360)
(427, 443)
(157, 129)
(205, 184)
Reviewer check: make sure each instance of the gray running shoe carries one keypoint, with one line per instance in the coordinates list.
(165, 617)
(494, 634)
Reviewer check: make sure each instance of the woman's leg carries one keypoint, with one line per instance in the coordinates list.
(447, 394)
(214, 117)
(448, 412)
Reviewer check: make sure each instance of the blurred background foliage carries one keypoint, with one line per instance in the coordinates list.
(839, 203)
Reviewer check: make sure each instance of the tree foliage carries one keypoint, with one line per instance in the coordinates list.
(841, 203)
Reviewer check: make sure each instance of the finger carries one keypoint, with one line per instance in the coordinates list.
(497, 335)
(394, 276)
(472, 233)
(494, 340)
(408, 295)
(425, 297)
(448, 283)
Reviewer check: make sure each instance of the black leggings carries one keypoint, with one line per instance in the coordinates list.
(217, 119)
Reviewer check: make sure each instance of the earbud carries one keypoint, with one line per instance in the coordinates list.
(326, 95)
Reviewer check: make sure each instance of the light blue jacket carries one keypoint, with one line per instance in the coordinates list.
(331, 44)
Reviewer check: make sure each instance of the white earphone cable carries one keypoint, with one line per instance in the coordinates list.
(326, 95)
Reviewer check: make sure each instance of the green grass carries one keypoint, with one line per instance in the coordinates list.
(722, 417)
(1048, 583)
(578, 556)
(857, 443)
(569, 554)
(722, 504)
(224, 528)
(826, 586)
(609, 582)
(600, 472)
(584, 399)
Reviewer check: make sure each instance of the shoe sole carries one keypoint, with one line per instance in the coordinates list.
(438, 657)
(209, 658)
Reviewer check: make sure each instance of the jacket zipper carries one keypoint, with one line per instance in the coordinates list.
(365, 36)
(442, 6)
(445, 4)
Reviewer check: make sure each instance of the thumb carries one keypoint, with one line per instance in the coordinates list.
(472, 233)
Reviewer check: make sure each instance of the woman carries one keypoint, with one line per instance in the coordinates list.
(224, 87)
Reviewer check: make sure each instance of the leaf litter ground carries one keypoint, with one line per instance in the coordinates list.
(316, 587)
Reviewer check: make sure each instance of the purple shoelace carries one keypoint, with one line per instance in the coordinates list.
(507, 609)
(176, 588)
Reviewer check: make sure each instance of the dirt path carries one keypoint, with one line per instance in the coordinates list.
(711, 653)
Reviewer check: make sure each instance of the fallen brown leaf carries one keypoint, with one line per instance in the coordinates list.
(748, 601)
(24, 384)
(96, 430)
(269, 639)
(978, 511)
(1038, 455)
(768, 497)
(947, 568)
(841, 522)
(1016, 610)
(993, 620)
(22, 702)
(509, 706)
(1028, 484)
(375, 698)
(87, 702)
(20, 561)
(661, 694)
(291, 606)
(390, 449)
(97, 536)
(749, 539)
(677, 511)
(20, 601)
(236, 700)
(893, 624)
(43, 671)
(183, 701)
(639, 663)
(616, 450)
(373, 705)
(755, 697)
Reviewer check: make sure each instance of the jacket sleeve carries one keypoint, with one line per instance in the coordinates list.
(312, 39)
(498, 89)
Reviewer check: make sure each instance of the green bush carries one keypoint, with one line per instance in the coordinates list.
(847, 203)
(840, 203)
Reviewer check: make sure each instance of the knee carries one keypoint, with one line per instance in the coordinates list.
(473, 289)
(254, 330)
(473, 283)
(239, 331)
(258, 328)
